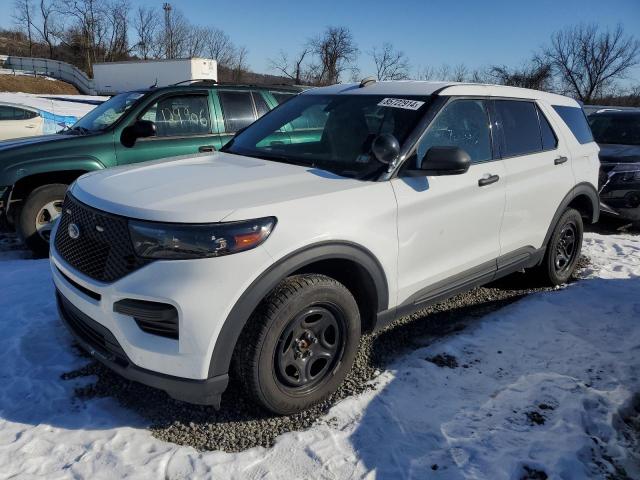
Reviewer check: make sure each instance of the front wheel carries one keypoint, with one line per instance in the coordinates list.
(38, 215)
(563, 250)
(300, 343)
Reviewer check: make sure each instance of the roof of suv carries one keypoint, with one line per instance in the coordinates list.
(205, 84)
(417, 87)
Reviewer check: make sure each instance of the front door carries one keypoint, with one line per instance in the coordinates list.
(183, 127)
(448, 226)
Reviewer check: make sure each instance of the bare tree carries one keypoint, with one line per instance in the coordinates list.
(336, 51)
(459, 74)
(390, 64)
(219, 46)
(146, 24)
(294, 68)
(116, 45)
(426, 73)
(239, 64)
(536, 74)
(24, 18)
(589, 61)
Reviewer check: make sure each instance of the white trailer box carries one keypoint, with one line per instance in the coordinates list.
(115, 77)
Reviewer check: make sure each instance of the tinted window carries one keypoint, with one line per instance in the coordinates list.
(464, 124)
(237, 109)
(6, 113)
(616, 128)
(261, 105)
(180, 116)
(13, 113)
(549, 140)
(282, 97)
(520, 127)
(576, 121)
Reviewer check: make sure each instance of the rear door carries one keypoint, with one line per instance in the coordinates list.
(449, 225)
(183, 126)
(538, 171)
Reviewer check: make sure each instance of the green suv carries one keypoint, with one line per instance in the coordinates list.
(131, 127)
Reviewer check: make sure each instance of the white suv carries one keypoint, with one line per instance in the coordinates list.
(339, 211)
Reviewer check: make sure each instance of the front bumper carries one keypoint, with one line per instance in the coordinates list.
(203, 293)
(103, 346)
(620, 190)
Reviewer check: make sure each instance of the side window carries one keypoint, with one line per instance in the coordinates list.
(261, 104)
(576, 121)
(549, 139)
(461, 123)
(6, 113)
(21, 114)
(520, 127)
(282, 97)
(237, 109)
(180, 116)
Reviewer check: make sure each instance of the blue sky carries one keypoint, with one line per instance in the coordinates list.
(476, 33)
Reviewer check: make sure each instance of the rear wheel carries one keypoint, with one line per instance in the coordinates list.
(38, 215)
(300, 343)
(563, 249)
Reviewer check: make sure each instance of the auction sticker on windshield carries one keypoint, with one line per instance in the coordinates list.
(401, 103)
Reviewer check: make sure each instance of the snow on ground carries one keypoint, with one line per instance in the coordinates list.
(539, 387)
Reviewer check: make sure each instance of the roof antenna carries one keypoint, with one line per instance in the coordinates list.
(365, 82)
(155, 84)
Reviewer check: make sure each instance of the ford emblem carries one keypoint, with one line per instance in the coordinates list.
(74, 230)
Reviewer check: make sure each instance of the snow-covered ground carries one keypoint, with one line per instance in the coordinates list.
(540, 386)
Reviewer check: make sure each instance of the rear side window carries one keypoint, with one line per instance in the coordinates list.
(282, 97)
(6, 113)
(549, 140)
(261, 105)
(576, 120)
(237, 109)
(520, 127)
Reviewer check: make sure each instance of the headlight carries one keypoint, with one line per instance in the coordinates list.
(183, 241)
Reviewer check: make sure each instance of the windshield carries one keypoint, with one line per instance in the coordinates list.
(330, 132)
(107, 113)
(621, 129)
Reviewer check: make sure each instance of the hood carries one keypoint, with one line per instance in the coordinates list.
(204, 188)
(610, 153)
(28, 141)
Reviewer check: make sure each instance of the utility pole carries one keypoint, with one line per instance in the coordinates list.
(167, 27)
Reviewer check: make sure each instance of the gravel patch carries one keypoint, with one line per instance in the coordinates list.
(240, 425)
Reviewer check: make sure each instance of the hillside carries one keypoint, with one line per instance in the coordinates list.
(28, 84)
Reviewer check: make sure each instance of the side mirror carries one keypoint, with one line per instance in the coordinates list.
(140, 129)
(442, 161)
(385, 148)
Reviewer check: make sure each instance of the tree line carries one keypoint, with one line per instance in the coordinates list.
(586, 62)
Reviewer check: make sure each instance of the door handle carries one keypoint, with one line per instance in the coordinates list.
(560, 160)
(484, 181)
(207, 148)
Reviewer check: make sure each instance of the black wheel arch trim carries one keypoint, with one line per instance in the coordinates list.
(270, 278)
(581, 189)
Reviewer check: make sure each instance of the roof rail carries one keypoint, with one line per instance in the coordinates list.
(195, 80)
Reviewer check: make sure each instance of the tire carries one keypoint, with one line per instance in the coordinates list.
(560, 261)
(278, 343)
(37, 214)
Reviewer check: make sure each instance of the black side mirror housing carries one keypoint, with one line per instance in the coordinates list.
(442, 161)
(140, 129)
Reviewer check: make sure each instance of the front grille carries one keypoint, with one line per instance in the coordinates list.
(91, 332)
(102, 249)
